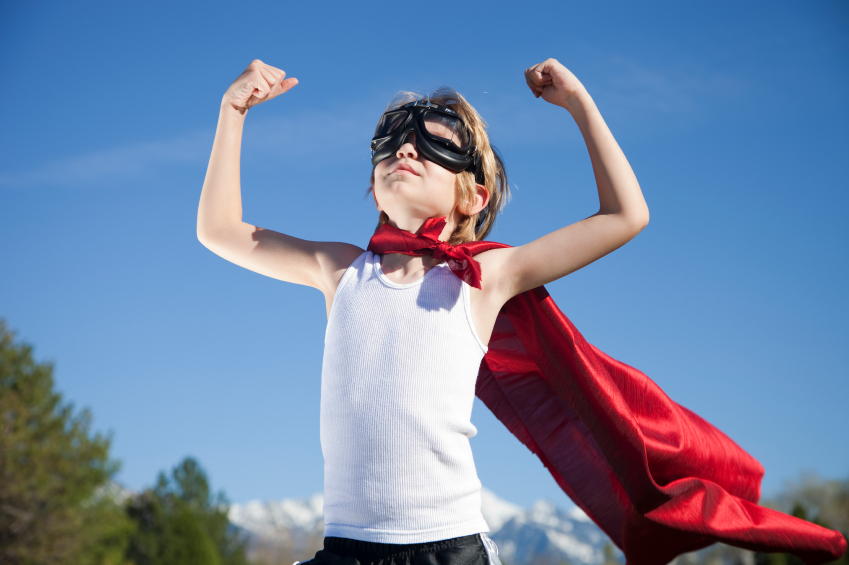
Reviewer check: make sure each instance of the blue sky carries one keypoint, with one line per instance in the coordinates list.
(734, 299)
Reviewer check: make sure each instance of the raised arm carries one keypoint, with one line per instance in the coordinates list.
(622, 213)
(219, 224)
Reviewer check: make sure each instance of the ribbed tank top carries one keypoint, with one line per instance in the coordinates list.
(397, 387)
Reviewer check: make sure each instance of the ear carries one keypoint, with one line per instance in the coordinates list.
(480, 200)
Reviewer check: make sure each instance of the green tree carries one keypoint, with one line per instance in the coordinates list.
(147, 544)
(53, 471)
(189, 543)
(180, 522)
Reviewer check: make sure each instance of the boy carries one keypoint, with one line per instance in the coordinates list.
(411, 318)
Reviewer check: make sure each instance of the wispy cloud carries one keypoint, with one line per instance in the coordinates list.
(305, 139)
(110, 166)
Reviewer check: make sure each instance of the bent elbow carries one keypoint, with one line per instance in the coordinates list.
(201, 239)
(205, 237)
(201, 234)
(643, 220)
(637, 221)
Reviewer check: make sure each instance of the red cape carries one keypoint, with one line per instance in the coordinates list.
(657, 478)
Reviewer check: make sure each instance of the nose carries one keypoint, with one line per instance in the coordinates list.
(408, 148)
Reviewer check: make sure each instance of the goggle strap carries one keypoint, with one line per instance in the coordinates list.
(479, 176)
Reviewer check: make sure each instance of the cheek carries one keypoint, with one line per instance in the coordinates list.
(377, 177)
(377, 172)
(446, 181)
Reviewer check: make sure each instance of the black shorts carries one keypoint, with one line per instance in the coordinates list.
(476, 549)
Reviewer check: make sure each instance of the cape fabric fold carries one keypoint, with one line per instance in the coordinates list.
(657, 478)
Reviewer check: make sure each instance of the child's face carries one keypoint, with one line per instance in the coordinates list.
(411, 189)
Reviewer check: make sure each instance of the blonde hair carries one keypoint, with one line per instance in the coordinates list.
(477, 227)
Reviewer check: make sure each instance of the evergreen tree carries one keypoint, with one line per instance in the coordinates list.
(180, 522)
(53, 471)
(189, 542)
(149, 540)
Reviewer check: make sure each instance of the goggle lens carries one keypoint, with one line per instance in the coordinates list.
(390, 122)
(448, 128)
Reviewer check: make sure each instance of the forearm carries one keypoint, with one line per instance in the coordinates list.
(221, 199)
(618, 190)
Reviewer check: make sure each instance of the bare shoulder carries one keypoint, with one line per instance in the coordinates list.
(319, 264)
(497, 283)
(334, 259)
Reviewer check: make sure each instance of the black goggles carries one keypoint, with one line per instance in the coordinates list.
(441, 137)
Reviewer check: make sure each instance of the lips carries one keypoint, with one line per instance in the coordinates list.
(404, 168)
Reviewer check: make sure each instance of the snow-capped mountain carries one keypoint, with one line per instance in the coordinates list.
(542, 533)
(543, 530)
(282, 531)
(267, 519)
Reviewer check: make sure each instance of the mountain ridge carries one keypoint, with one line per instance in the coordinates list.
(540, 533)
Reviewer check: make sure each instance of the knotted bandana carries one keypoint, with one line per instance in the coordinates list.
(388, 239)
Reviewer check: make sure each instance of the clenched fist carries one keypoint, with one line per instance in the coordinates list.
(554, 82)
(259, 82)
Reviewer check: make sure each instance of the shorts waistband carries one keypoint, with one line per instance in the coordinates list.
(356, 548)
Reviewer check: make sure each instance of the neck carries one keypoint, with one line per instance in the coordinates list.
(406, 267)
(413, 225)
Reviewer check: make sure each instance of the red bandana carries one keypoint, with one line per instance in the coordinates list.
(657, 478)
(388, 239)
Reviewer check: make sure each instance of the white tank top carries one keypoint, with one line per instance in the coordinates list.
(397, 387)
